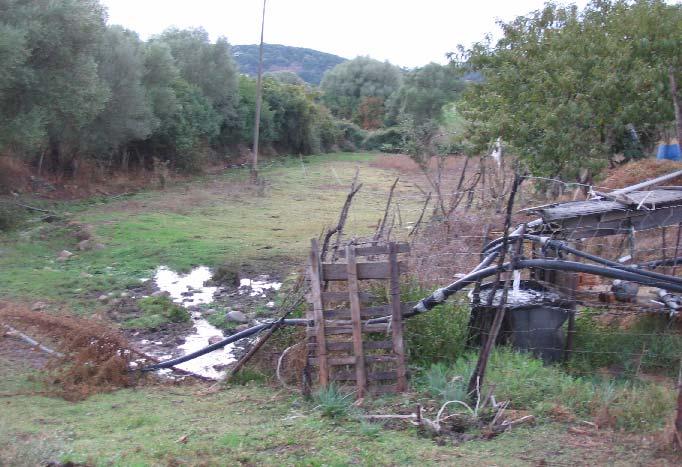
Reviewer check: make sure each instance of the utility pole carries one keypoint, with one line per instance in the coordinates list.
(259, 98)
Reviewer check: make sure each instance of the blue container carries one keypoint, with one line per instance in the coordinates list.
(670, 152)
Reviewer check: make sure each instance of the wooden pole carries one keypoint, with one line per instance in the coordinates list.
(397, 319)
(318, 312)
(478, 374)
(354, 300)
(259, 99)
(678, 418)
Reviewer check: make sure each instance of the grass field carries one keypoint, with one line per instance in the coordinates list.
(208, 221)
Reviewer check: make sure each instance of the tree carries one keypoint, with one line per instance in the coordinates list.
(128, 114)
(347, 84)
(562, 87)
(56, 91)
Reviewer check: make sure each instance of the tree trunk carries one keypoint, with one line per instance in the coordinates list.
(676, 104)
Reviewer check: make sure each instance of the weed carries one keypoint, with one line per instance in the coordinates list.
(157, 311)
(447, 383)
(332, 402)
(648, 345)
(369, 429)
(219, 320)
(248, 375)
(437, 336)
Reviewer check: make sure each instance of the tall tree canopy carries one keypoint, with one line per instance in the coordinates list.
(359, 85)
(564, 88)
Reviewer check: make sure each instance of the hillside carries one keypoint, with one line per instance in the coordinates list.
(309, 64)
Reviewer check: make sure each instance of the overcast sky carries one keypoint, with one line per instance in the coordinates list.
(406, 32)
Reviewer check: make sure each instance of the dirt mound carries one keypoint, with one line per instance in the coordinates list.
(639, 171)
(95, 356)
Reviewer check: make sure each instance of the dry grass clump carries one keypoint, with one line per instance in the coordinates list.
(95, 359)
(639, 171)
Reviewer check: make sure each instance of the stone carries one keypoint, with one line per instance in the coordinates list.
(98, 246)
(37, 306)
(214, 339)
(161, 293)
(64, 255)
(103, 298)
(84, 245)
(241, 327)
(237, 316)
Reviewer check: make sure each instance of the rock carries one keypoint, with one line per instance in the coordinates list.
(210, 311)
(37, 306)
(237, 316)
(84, 245)
(161, 293)
(64, 255)
(241, 327)
(214, 339)
(103, 298)
(125, 295)
(98, 246)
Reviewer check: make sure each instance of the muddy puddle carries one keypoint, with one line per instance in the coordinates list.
(189, 291)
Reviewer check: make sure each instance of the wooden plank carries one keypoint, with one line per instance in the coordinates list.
(338, 272)
(385, 389)
(397, 319)
(350, 360)
(373, 376)
(373, 250)
(354, 300)
(369, 312)
(348, 346)
(319, 331)
(342, 297)
(335, 330)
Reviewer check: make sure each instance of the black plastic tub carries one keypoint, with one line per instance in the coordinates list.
(533, 321)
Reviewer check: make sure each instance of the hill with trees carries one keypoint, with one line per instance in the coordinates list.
(310, 65)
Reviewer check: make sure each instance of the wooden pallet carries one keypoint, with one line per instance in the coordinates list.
(342, 345)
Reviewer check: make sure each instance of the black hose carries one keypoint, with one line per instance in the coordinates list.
(228, 340)
(559, 245)
(441, 295)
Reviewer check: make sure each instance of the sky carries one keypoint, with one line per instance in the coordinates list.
(407, 33)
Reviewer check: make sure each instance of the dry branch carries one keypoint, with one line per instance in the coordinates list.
(338, 229)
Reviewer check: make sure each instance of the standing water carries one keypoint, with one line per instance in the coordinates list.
(188, 290)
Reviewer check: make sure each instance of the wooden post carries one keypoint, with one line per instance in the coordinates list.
(354, 300)
(397, 319)
(259, 100)
(678, 418)
(318, 312)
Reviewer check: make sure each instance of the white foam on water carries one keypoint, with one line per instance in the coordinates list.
(177, 284)
(258, 286)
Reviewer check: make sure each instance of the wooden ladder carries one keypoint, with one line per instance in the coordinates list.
(341, 343)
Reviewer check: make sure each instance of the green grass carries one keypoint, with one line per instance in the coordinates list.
(220, 219)
(157, 311)
(209, 221)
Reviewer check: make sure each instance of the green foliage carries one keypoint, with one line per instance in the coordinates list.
(439, 335)
(307, 64)
(562, 86)
(351, 135)
(346, 85)
(219, 320)
(157, 311)
(529, 384)
(11, 217)
(386, 140)
(332, 402)
(447, 383)
(648, 345)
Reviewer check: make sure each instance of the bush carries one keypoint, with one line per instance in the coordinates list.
(350, 136)
(10, 217)
(648, 345)
(438, 335)
(528, 384)
(387, 138)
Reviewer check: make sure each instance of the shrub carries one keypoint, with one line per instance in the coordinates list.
(648, 345)
(10, 217)
(388, 138)
(438, 335)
